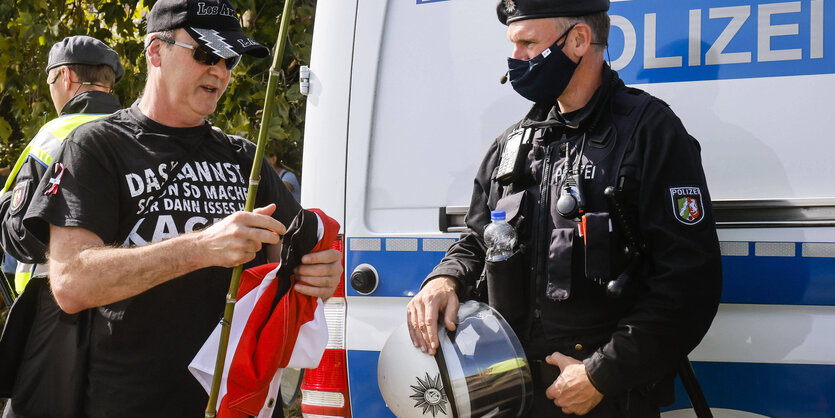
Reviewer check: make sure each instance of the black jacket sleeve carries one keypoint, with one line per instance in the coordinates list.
(16, 240)
(678, 295)
(464, 260)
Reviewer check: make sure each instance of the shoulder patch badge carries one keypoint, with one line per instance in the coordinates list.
(687, 204)
(19, 195)
(429, 394)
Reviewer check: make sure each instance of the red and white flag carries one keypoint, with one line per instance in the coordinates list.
(263, 340)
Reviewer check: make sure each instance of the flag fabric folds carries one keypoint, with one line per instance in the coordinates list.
(273, 327)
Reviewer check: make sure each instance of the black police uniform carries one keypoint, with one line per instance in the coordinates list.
(553, 291)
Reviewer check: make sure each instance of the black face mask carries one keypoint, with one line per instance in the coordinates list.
(543, 78)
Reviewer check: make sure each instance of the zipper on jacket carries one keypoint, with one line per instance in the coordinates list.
(540, 226)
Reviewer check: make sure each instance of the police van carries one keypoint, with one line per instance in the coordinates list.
(404, 100)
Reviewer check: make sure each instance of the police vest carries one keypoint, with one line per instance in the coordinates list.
(43, 148)
(549, 241)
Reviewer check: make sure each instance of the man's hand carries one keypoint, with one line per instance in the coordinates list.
(238, 237)
(572, 391)
(422, 312)
(319, 273)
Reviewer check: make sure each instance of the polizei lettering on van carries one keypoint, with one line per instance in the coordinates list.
(663, 41)
(671, 41)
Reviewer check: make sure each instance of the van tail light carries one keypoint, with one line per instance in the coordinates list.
(325, 388)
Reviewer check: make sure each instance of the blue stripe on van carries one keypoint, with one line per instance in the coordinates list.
(774, 390)
(793, 280)
(366, 399)
(752, 278)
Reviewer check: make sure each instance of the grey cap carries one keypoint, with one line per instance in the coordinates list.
(87, 50)
(510, 11)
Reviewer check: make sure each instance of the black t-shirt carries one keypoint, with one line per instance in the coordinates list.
(133, 181)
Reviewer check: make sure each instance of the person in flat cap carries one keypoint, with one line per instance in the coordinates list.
(616, 275)
(80, 72)
(144, 210)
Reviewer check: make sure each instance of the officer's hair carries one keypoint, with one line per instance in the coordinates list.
(598, 22)
(98, 74)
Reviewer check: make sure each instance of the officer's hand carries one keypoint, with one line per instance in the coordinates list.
(572, 391)
(238, 237)
(319, 273)
(422, 313)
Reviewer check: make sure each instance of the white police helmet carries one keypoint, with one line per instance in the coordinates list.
(480, 370)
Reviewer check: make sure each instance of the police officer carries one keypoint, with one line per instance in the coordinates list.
(80, 72)
(607, 290)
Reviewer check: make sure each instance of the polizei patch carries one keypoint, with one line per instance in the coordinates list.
(429, 395)
(687, 204)
(19, 196)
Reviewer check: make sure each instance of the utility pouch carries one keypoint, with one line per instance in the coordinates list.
(558, 286)
(597, 237)
(508, 287)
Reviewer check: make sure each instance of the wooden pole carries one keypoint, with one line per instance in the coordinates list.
(254, 178)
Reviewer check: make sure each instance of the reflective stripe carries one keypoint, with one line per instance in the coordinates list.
(21, 279)
(24, 272)
(70, 122)
(10, 181)
(42, 155)
(48, 141)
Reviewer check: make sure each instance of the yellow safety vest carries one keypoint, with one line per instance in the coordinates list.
(43, 147)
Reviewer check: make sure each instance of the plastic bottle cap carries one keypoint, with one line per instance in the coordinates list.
(497, 215)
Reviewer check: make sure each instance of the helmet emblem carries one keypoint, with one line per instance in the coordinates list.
(509, 7)
(429, 395)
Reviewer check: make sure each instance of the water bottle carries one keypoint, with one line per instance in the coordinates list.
(499, 236)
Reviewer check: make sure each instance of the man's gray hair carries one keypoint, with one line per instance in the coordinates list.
(163, 34)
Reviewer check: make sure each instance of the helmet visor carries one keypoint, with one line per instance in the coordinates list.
(485, 364)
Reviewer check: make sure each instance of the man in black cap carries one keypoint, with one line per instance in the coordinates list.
(144, 210)
(80, 72)
(607, 290)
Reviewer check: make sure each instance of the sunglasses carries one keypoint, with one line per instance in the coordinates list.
(204, 57)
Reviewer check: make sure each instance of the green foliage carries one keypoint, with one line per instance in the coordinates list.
(28, 28)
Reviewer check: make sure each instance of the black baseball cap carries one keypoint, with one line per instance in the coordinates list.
(510, 11)
(213, 24)
(86, 50)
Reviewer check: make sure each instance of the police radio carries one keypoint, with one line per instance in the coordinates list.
(571, 202)
(514, 155)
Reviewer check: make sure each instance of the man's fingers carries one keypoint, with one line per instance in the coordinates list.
(418, 325)
(318, 270)
(266, 210)
(412, 332)
(328, 282)
(451, 312)
(317, 292)
(560, 360)
(431, 320)
(260, 218)
(322, 257)
(265, 236)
